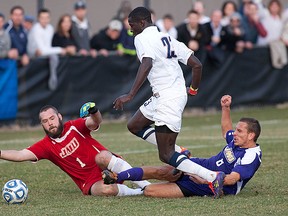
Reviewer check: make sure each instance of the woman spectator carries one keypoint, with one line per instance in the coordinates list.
(228, 8)
(273, 23)
(63, 37)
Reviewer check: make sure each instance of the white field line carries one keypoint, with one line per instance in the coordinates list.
(130, 138)
(155, 150)
(152, 150)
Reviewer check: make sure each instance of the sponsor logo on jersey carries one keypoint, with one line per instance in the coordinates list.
(229, 155)
(69, 148)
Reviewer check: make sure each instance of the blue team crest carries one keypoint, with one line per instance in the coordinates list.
(229, 155)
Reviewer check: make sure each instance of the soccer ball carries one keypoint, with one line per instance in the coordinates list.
(15, 191)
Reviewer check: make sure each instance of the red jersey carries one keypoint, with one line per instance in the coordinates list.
(74, 152)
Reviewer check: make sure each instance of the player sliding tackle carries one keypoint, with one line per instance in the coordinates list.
(239, 159)
(159, 55)
(71, 147)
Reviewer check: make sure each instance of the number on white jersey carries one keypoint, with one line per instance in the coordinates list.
(166, 42)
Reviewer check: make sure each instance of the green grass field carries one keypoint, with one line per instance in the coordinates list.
(51, 192)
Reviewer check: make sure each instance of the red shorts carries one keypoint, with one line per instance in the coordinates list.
(93, 178)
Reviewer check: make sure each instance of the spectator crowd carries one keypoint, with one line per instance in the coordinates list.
(231, 27)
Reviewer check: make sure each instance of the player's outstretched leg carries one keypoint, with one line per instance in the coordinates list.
(217, 185)
(165, 139)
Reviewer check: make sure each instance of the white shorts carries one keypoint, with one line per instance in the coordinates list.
(165, 111)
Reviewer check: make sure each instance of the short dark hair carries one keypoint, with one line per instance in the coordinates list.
(192, 12)
(168, 16)
(43, 10)
(46, 107)
(253, 126)
(141, 13)
(17, 7)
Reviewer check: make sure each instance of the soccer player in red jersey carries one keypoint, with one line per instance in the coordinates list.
(71, 147)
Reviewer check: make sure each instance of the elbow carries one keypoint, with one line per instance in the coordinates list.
(100, 120)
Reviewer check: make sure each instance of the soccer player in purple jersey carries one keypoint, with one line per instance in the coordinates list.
(239, 160)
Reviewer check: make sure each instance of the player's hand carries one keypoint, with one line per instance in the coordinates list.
(226, 101)
(88, 108)
(119, 102)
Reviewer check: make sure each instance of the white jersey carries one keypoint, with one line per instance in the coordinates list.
(166, 73)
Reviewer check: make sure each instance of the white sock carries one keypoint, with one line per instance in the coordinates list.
(118, 165)
(152, 139)
(123, 190)
(189, 166)
(178, 148)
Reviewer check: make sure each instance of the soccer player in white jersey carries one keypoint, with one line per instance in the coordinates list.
(239, 160)
(159, 55)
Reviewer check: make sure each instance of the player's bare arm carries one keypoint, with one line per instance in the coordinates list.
(196, 65)
(226, 122)
(94, 120)
(17, 155)
(141, 76)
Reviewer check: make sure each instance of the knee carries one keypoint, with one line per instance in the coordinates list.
(131, 127)
(103, 158)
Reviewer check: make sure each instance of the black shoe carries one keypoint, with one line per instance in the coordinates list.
(109, 177)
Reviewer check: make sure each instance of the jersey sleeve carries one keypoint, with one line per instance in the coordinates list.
(143, 48)
(229, 136)
(81, 126)
(39, 149)
(248, 165)
(182, 51)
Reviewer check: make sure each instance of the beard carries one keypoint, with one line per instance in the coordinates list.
(58, 132)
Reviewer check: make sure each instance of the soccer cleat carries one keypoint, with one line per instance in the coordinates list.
(109, 177)
(185, 152)
(217, 185)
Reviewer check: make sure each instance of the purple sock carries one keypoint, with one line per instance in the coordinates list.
(134, 174)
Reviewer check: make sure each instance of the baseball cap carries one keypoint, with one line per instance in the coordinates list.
(79, 4)
(2, 15)
(115, 25)
(29, 18)
(236, 15)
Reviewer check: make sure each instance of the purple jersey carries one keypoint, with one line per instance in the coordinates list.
(244, 161)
